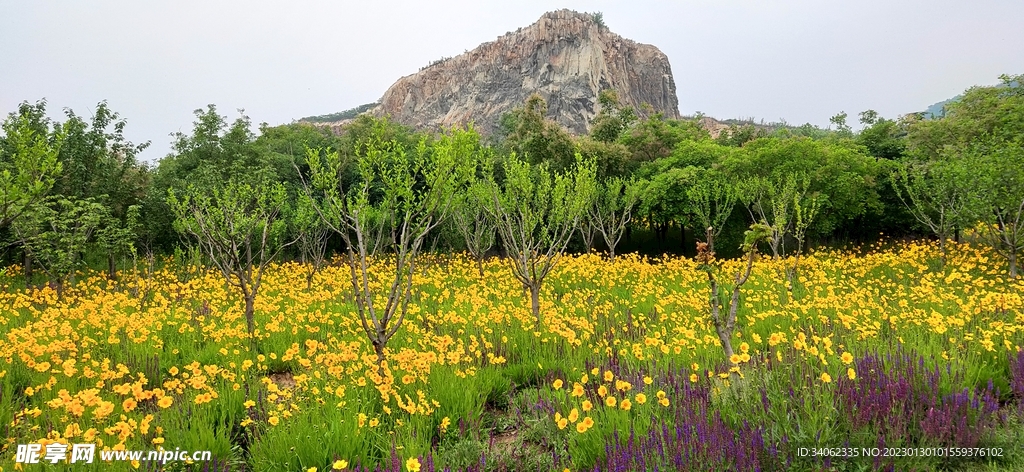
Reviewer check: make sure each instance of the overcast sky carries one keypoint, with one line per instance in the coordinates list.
(801, 61)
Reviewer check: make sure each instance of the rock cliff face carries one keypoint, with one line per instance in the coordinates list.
(565, 56)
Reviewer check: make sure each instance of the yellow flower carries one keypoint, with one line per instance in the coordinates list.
(249, 404)
(581, 428)
(825, 377)
(608, 376)
(557, 384)
(165, 402)
(587, 406)
(663, 401)
(693, 378)
(311, 469)
(577, 390)
(610, 402)
(847, 358)
(574, 415)
(602, 391)
(340, 464)
(851, 373)
(641, 398)
(562, 423)
(648, 380)
(413, 464)
(625, 404)
(273, 420)
(735, 359)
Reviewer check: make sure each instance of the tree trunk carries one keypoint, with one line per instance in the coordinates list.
(611, 252)
(725, 338)
(942, 251)
(480, 265)
(28, 270)
(250, 321)
(111, 266)
(535, 300)
(1013, 264)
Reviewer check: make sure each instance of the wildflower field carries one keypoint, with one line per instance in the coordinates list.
(877, 347)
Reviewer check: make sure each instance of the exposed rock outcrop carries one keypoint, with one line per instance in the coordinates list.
(566, 57)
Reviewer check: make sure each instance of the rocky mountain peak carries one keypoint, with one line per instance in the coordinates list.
(567, 57)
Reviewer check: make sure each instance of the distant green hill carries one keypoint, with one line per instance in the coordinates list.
(342, 115)
(937, 110)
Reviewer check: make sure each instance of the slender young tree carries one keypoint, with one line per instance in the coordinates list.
(725, 323)
(397, 199)
(117, 238)
(805, 208)
(770, 202)
(56, 233)
(240, 227)
(537, 212)
(473, 222)
(712, 200)
(943, 195)
(612, 210)
(1002, 213)
(312, 235)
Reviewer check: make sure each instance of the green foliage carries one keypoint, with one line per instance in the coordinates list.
(612, 119)
(28, 163)
(537, 139)
(842, 128)
(99, 162)
(882, 138)
(655, 137)
(838, 170)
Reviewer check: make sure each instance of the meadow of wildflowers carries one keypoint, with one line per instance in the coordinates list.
(877, 347)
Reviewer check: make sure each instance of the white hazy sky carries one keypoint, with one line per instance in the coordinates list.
(802, 61)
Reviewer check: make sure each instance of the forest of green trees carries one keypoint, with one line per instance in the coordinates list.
(73, 192)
